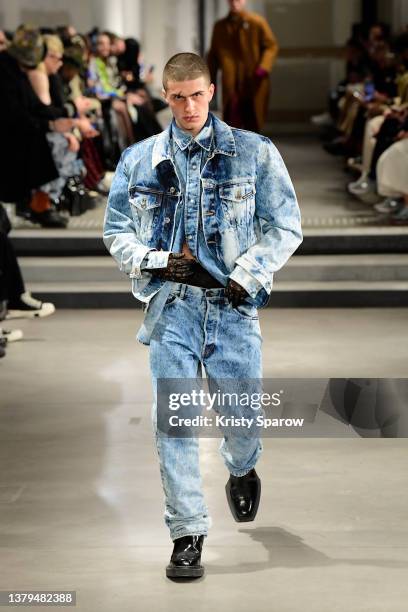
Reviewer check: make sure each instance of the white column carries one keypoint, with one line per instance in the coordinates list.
(345, 13)
(167, 28)
(132, 18)
(108, 15)
(153, 36)
(400, 15)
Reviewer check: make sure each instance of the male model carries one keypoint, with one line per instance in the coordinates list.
(244, 48)
(200, 217)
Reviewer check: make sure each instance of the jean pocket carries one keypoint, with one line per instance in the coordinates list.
(247, 311)
(170, 298)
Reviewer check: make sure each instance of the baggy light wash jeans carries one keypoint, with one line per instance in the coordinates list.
(199, 327)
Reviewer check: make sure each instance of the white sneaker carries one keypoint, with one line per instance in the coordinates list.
(322, 120)
(28, 307)
(11, 335)
(362, 186)
(390, 206)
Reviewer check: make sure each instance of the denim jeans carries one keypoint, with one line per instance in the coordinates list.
(199, 327)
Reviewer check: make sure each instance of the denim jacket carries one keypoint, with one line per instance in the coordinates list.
(249, 211)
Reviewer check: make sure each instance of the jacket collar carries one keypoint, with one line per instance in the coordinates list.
(224, 142)
(183, 139)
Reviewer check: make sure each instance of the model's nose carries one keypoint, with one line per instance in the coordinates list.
(189, 104)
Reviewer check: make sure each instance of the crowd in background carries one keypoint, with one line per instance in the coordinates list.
(367, 120)
(70, 104)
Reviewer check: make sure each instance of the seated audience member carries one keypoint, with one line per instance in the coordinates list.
(126, 57)
(6, 335)
(4, 43)
(47, 85)
(135, 74)
(392, 179)
(92, 150)
(15, 301)
(385, 130)
(104, 82)
(134, 109)
(25, 160)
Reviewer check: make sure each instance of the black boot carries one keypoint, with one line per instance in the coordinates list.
(243, 495)
(185, 561)
(49, 218)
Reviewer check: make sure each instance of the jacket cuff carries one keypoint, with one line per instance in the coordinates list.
(138, 257)
(155, 259)
(252, 267)
(251, 285)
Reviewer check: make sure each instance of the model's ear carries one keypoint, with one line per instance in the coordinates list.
(211, 91)
(163, 93)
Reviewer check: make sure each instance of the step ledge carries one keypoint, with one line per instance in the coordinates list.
(282, 286)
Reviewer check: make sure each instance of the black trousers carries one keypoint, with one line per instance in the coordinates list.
(385, 138)
(11, 280)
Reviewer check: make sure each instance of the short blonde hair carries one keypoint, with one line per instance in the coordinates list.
(185, 67)
(53, 44)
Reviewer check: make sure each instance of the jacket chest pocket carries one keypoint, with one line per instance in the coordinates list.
(146, 206)
(238, 202)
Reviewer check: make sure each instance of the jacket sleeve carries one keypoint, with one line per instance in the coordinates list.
(278, 212)
(269, 46)
(120, 231)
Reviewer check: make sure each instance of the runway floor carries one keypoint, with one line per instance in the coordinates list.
(80, 494)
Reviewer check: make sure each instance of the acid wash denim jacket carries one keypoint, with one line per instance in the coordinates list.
(249, 213)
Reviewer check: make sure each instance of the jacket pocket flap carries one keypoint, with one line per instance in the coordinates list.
(237, 192)
(144, 200)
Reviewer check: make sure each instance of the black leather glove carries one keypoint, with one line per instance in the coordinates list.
(179, 269)
(235, 293)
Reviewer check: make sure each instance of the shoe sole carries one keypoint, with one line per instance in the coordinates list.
(184, 572)
(9, 338)
(252, 515)
(27, 314)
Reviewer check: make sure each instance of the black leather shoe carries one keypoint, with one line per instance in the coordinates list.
(243, 495)
(49, 218)
(185, 561)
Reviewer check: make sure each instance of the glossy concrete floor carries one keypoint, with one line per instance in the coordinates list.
(81, 499)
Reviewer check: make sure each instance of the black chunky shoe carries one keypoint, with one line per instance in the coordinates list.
(49, 218)
(185, 561)
(243, 495)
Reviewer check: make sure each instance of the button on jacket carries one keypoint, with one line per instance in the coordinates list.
(250, 217)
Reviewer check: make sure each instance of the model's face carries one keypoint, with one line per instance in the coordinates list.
(189, 102)
(103, 46)
(236, 6)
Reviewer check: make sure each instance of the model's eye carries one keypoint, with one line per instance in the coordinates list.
(199, 93)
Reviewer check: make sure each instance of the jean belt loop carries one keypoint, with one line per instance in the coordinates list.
(182, 291)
